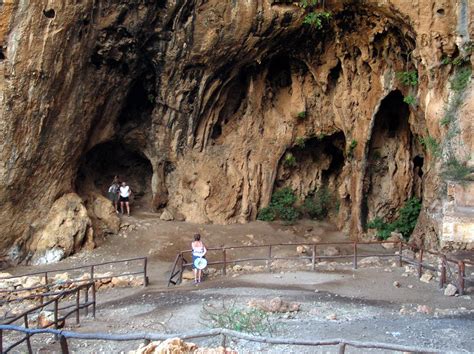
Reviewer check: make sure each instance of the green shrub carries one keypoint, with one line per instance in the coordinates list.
(448, 118)
(454, 170)
(308, 3)
(461, 79)
(405, 223)
(302, 115)
(300, 142)
(290, 160)
(318, 206)
(431, 144)
(253, 321)
(351, 148)
(281, 207)
(410, 99)
(408, 78)
(317, 19)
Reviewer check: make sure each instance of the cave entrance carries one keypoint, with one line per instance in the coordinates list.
(313, 164)
(110, 159)
(394, 168)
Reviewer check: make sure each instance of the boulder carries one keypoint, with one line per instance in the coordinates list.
(394, 237)
(166, 215)
(274, 305)
(370, 261)
(450, 290)
(188, 275)
(331, 251)
(426, 277)
(65, 230)
(103, 215)
(237, 268)
(120, 282)
(301, 249)
(61, 277)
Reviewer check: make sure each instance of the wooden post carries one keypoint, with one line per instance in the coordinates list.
(28, 342)
(420, 265)
(45, 278)
(313, 258)
(224, 261)
(92, 273)
(78, 304)
(442, 276)
(145, 277)
(355, 255)
(181, 269)
(1, 341)
(63, 343)
(461, 271)
(400, 252)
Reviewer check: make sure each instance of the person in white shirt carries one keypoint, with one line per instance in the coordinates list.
(124, 193)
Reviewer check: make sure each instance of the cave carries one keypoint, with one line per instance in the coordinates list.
(312, 164)
(394, 168)
(110, 159)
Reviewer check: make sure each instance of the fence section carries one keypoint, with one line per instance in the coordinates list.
(63, 337)
(62, 305)
(267, 254)
(92, 270)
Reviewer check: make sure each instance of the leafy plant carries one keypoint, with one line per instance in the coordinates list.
(461, 79)
(317, 19)
(446, 61)
(300, 142)
(446, 120)
(410, 99)
(252, 321)
(431, 144)
(351, 148)
(319, 205)
(302, 115)
(308, 3)
(408, 78)
(289, 160)
(454, 170)
(281, 207)
(405, 223)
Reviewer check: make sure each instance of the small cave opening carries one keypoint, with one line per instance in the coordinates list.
(313, 164)
(393, 170)
(50, 13)
(139, 103)
(279, 72)
(334, 75)
(2, 55)
(106, 160)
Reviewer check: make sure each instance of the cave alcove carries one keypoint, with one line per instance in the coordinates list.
(394, 167)
(113, 158)
(312, 164)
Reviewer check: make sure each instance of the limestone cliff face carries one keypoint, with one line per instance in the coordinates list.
(197, 103)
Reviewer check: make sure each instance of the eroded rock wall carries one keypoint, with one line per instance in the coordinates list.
(210, 93)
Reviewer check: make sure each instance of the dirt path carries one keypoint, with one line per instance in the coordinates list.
(336, 301)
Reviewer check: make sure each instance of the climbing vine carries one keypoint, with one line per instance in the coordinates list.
(456, 169)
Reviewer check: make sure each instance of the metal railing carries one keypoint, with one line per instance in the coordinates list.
(90, 269)
(459, 277)
(63, 336)
(181, 262)
(59, 317)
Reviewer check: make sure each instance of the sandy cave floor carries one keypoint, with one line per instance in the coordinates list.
(336, 301)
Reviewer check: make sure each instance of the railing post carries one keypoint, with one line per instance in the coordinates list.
(92, 273)
(461, 271)
(86, 299)
(313, 258)
(342, 348)
(63, 343)
(145, 277)
(400, 252)
(56, 310)
(269, 261)
(355, 255)
(93, 300)
(224, 264)
(420, 265)
(78, 304)
(442, 276)
(181, 269)
(1, 341)
(28, 342)
(45, 278)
